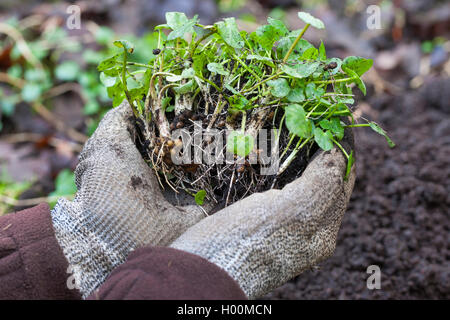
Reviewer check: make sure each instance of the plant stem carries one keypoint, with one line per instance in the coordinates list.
(263, 81)
(292, 156)
(357, 125)
(124, 83)
(244, 119)
(334, 81)
(288, 145)
(200, 41)
(340, 147)
(139, 64)
(246, 67)
(295, 43)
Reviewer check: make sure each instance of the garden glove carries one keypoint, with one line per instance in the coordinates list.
(268, 238)
(118, 207)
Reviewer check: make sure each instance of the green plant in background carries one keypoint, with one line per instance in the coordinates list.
(45, 73)
(269, 69)
(51, 63)
(64, 186)
(10, 190)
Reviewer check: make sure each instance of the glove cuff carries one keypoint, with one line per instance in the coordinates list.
(91, 249)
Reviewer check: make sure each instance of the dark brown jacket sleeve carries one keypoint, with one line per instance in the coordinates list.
(164, 273)
(32, 265)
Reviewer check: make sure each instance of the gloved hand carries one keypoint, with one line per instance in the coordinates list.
(268, 238)
(118, 207)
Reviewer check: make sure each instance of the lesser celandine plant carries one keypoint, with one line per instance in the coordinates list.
(226, 78)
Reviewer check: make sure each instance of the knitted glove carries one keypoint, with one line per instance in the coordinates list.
(118, 207)
(268, 238)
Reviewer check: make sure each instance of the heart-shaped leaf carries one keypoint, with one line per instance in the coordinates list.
(279, 88)
(229, 32)
(239, 143)
(301, 70)
(125, 44)
(217, 68)
(296, 121)
(200, 197)
(357, 64)
(323, 139)
(309, 19)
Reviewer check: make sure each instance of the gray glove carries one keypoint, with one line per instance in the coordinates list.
(268, 238)
(118, 207)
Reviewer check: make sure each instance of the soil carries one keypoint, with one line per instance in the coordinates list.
(398, 216)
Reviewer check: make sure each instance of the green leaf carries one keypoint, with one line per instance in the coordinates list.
(323, 139)
(279, 26)
(240, 103)
(165, 104)
(188, 73)
(350, 162)
(104, 35)
(217, 68)
(312, 92)
(200, 32)
(357, 64)
(286, 42)
(35, 75)
(296, 121)
(199, 64)
(301, 70)
(8, 104)
(109, 62)
(31, 92)
(239, 143)
(325, 124)
(64, 184)
(92, 57)
(67, 71)
(356, 79)
(180, 25)
(296, 95)
(107, 80)
(15, 71)
(91, 107)
(185, 88)
(279, 88)
(266, 60)
(229, 32)
(375, 127)
(322, 52)
(337, 128)
(174, 78)
(266, 36)
(233, 90)
(125, 44)
(309, 19)
(310, 54)
(200, 197)
(176, 20)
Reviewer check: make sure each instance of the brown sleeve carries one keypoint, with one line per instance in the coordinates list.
(32, 265)
(165, 273)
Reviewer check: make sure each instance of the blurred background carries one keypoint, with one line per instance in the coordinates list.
(51, 100)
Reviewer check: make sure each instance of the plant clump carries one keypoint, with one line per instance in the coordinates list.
(217, 77)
